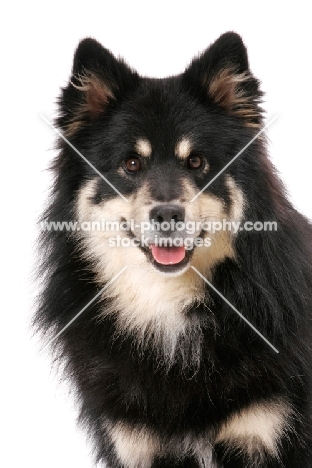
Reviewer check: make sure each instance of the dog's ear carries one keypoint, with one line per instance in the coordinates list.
(221, 76)
(98, 79)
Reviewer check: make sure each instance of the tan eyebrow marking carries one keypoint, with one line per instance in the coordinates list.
(143, 147)
(183, 148)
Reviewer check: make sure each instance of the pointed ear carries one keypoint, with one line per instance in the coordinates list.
(98, 79)
(221, 76)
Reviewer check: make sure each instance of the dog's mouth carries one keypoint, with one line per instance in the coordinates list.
(167, 255)
(168, 259)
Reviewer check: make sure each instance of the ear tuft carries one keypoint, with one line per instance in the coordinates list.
(98, 79)
(237, 93)
(88, 97)
(221, 76)
(96, 93)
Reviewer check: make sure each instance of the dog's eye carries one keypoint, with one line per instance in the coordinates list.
(133, 164)
(194, 161)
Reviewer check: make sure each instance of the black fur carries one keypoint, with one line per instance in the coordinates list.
(270, 281)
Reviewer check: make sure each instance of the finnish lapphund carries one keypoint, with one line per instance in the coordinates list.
(183, 323)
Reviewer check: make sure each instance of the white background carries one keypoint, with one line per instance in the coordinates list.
(157, 38)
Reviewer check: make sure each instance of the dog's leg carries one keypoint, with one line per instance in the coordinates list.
(132, 446)
(264, 435)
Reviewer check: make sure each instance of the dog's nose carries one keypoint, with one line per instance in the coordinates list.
(161, 213)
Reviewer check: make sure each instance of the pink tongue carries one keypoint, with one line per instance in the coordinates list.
(168, 255)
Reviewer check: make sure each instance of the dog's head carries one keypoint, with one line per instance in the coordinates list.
(156, 151)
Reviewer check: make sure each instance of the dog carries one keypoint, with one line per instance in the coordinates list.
(183, 323)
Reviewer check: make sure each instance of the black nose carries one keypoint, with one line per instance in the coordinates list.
(161, 213)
